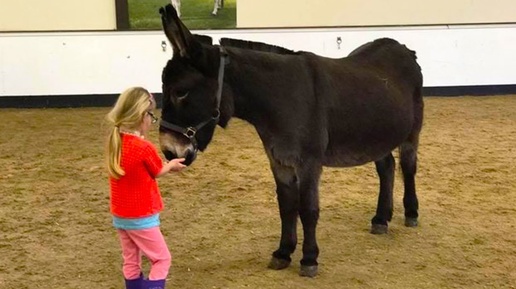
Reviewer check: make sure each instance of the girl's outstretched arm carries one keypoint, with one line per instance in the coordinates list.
(175, 165)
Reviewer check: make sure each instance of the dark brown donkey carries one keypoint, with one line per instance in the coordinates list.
(309, 111)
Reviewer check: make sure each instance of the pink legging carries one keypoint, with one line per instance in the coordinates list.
(149, 242)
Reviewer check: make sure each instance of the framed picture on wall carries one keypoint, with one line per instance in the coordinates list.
(195, 14)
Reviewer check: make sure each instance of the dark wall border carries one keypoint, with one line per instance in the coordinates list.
(106, 100)
(63, 101)
(122, 15)
(478, 90)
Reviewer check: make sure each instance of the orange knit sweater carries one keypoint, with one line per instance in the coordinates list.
(136, 194)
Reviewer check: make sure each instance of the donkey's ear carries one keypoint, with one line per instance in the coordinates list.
(179, 36)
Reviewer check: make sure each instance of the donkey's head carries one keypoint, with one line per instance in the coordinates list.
(191, 90)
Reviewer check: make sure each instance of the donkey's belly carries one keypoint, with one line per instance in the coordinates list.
(355, 154)
(349, 159)
(368, 137)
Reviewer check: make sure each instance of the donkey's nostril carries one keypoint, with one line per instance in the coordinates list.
(168, 155)
(190, 157)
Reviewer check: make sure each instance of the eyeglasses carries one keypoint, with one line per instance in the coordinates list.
(154, 118)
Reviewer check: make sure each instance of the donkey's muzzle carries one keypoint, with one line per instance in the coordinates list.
(189, 156)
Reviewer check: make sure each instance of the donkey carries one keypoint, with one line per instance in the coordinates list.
(309, 111)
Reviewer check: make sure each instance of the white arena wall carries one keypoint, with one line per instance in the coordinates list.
(67, 64)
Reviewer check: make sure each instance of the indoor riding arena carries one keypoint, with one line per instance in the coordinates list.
(221, 219)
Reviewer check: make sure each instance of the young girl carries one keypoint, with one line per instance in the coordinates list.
(134, 164)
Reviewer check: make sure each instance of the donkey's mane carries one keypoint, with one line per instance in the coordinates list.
(258, 46)
(203, 39)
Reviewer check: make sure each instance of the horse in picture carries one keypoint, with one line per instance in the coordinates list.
(309, 112)
(217, 4)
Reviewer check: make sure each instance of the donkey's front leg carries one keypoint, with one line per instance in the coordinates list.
(288, 201)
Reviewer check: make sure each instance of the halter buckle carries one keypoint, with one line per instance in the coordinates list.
(190, 132)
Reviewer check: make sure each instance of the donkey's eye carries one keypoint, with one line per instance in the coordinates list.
(182, 94)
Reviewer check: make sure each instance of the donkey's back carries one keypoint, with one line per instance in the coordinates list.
(371, 101)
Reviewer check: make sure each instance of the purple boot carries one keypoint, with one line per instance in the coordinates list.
(153, 284)
(134, 283)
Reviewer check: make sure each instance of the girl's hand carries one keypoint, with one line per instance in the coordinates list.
(176, 165)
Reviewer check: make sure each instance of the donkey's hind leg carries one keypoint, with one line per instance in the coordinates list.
(408, 161)
(385, 170)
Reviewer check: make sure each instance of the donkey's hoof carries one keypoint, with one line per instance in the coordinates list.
(379, 229)
(411, 222)
(308, 271)
(278, 264)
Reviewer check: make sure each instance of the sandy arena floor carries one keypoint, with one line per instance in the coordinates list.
(221, 219)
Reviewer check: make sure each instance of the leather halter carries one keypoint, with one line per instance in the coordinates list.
(190, 131)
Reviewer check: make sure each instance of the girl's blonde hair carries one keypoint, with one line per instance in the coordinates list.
(128, 113)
